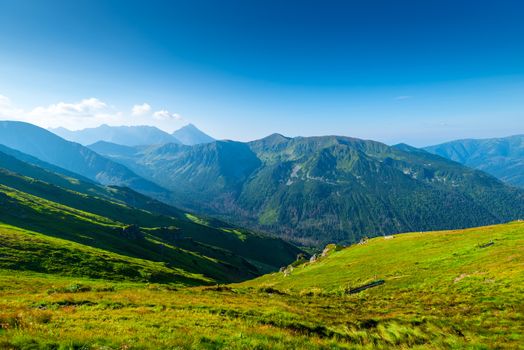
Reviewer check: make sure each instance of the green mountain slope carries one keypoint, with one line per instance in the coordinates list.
(26, 250)
(321, 189)
(211, 249)
(442, 290)
(500, 157)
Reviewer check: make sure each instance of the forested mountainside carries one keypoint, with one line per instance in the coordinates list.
(316, 190)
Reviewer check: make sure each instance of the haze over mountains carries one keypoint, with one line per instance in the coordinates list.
(500, 157)
(48, 147)
(134, 135)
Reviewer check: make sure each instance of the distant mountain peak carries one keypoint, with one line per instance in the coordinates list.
(191, 135)
(122, 135)
(189, 126)
(326, 188)
(50, 148)
(60, 128)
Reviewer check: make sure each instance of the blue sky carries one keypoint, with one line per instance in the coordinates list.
(419, 72)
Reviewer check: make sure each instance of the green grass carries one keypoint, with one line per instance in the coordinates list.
(441, 291)
(241, 235)
(31, 251)
(196, 219)
(422, 260)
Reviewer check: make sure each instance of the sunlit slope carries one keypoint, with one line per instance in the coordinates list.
(442, 291)
(425, 262)
(23, 164)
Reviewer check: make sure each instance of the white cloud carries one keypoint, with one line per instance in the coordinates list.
(89, 112)
(166, 115)
(141, 109)
(7, 109)
(85, 108)
(86, 113)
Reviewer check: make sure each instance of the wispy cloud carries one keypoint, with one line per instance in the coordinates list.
(88, 112)
(166, 115)
(403, 97)
(142, 109)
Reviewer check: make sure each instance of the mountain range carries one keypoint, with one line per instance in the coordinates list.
(315, 190)
(134, 135)
(308, 190)
(500, 157)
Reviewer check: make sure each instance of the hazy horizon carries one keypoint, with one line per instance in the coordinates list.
(276, 132)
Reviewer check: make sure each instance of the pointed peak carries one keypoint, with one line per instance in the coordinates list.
(188, 127)
(191, 135)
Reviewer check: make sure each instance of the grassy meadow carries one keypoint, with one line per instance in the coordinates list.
(444, 289)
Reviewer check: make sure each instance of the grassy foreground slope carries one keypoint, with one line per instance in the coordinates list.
(442, 290)
(425, 261)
